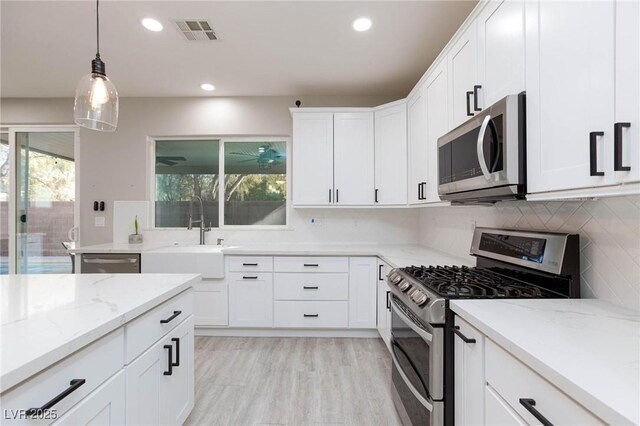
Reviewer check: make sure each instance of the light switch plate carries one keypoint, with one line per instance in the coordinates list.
(99, 222)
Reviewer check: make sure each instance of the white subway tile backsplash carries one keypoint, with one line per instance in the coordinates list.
(609, 237)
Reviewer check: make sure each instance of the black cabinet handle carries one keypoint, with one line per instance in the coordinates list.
(337, 196)
(169, 371)
(475, 97)
(593, 153)
(376, 195)
(380, 272)
(456, 329)
(310, 287)
(388, 302)
(311, 315)
(176, 340)
(617, 147)
(249, 264)
(330, 191)
(315, 265)
(171, 318)
(73, 385)
(469, 113)
(421, 195)
(252, 277)
(529, 404)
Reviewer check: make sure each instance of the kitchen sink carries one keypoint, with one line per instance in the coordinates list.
(207, 260)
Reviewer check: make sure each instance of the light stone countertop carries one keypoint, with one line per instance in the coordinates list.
(588, 348)
(44, 318)
(397, 255)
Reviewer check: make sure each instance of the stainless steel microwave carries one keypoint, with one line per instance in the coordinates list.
(484, 159)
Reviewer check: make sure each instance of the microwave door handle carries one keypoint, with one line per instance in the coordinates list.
(480, 147)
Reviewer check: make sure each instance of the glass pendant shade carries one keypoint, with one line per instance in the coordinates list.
(96, 104)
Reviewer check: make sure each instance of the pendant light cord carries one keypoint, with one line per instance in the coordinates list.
(98, 28)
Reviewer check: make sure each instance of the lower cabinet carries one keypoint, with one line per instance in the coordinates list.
(160, 383)
(105, 406)
(311, 314)
(250, 299)
(498, 412)
(362, 292)
(211, 304)
(384, 309)
(469, 374)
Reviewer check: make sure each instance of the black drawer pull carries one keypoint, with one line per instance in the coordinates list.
(529, 404)
(376, 195)
(73, 385)
(310, 287)
(469, 113)
(593, 153)
(388, 302)
(253, 277)
(249, 264)
(311, 315)
(456, 329)
(475, 97)
(311, 265)
(617, 147)
(169, 371)
(330, 195)
(380, 272)
(171, 318)
(176, 340)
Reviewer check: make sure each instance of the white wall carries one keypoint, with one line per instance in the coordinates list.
(113, 165)
(609, 237)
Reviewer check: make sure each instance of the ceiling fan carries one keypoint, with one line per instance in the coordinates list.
(266, 157)
(169, 160)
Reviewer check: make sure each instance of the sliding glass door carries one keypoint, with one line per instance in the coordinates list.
(4, 201)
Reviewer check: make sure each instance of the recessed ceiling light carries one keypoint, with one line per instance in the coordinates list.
(362, 24)
(208, 87)
(151, 24)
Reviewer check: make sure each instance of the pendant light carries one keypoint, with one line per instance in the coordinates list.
(96, 103)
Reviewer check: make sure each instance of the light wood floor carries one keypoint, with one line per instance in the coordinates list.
(255, 380)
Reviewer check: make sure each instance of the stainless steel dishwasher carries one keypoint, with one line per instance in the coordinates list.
(110, 263)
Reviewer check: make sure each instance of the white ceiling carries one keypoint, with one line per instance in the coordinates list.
(264, 48)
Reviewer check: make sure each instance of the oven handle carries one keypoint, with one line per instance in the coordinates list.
(407, 382)
(480, 147)
(422, 333)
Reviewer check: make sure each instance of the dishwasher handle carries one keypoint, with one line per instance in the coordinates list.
(102, 261)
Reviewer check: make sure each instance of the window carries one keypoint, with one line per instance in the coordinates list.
(252, 181)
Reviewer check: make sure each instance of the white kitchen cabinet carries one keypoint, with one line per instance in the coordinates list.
(391, 154)
(570, 94)
(437, 98)
(104, 406)
(362, 292)
(353, 158)
(627, 89)
(462, 61)
(417, 145)
(501, 50)
(211, 304)
(497, 411)
(250, 299)
(312, 158)
(469, 380)
(384, 309)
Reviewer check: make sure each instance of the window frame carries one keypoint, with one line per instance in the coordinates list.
(222, 141)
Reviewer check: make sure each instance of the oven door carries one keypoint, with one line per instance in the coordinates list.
(417, 371)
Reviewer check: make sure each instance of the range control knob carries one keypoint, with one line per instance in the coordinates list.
(419, 297)
(403, 286)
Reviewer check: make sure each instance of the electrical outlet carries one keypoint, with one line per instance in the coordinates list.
(314, 221)
(99, 222)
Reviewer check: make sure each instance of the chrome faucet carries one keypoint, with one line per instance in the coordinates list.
(200, 221)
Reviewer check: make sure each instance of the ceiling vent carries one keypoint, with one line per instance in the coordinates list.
(196, 29)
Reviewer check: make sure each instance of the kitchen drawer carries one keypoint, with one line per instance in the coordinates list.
(301, 286)
(310, 264)
(250, 263)
(145, 330)
(303, 314)
(94, 364)
(550, 402)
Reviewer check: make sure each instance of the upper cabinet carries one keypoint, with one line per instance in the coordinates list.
(312, 158)
(570, 94)
(418, 149)
(501, 42)
(391, 154)
(463, 76)
(437, 98)
(353, 158)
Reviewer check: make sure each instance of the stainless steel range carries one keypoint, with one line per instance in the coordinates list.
(510, 264)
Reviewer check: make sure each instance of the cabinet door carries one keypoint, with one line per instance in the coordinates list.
(497, 411)
(463, 63)
(384, 324)
(418, 148)
(570, 93)
(437, 124)
(250, 300)
(104, 406)
(627, 103)
(362, 292)
(312, 158)
(211, 306)
(144, 378)
(391, 155)
(500, 51)
(353, 161)
(469, 380)
(177, 389)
